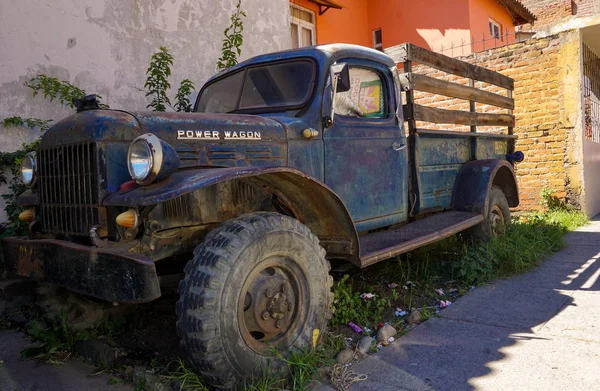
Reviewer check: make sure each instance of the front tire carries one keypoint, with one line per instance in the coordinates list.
(258, 282)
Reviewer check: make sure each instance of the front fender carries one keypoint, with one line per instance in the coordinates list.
(475, 179)
(315, 204)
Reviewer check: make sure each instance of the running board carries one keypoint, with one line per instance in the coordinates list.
(380, 246)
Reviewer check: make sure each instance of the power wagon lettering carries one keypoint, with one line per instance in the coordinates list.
(216, 135)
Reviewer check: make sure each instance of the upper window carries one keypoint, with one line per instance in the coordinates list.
(279, 85)
(377, 41)
(495, 29)
(302, 26)
(366, 97)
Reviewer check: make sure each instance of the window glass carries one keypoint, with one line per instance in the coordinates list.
(366, 97)
(295, 36)
(273, 85)
(377, 40)
(302, 26)
(286, 84)
(495, 29)
(221, 96)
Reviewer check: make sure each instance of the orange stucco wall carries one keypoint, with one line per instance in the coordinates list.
(480, 11)
(348, 25)
(425, 23)
(433, 24)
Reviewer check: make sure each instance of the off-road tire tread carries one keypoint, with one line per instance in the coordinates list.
(201, 288)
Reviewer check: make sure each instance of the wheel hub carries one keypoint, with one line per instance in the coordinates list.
(497, 221)
(270, 303)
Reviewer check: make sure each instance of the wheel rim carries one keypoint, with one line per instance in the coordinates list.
(270, 304)
(498, 224)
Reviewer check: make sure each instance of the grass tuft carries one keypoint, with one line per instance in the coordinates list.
(184, 378)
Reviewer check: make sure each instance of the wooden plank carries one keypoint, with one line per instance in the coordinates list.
(424, 83)
(457, 117)
(410, 52)
(452, 133)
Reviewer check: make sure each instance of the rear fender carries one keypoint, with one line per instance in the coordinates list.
(312, 202)
(474, 181)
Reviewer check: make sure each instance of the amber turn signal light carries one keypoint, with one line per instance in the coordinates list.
(128, 219)
(28, 215)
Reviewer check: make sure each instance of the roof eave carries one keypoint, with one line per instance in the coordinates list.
(520, 14)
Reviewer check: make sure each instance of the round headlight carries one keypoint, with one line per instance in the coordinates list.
(151, 159)
(28, 168)
(140, 160)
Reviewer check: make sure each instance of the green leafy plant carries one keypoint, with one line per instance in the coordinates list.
(57, 341)
(182, 100)
(9, 163)
(349, 307)
(550, 201)
(232, 44)
(32, 123)
(347, 304)
(157, 84)
(52, 88)
(157, 81)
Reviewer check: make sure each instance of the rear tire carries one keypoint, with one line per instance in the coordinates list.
(496, 219)
(259, 279)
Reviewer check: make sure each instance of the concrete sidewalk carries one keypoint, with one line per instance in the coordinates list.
(537, 331)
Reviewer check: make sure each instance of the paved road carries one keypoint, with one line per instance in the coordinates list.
(537, 331)
(17, 374)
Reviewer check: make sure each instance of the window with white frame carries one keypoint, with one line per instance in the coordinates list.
(377, 41)
(495, 29)
(302, 26)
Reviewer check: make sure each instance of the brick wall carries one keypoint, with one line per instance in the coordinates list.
(549, 12)
(586, 7)
(547, 88)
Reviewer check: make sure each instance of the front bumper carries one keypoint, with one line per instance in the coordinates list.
(102, 273)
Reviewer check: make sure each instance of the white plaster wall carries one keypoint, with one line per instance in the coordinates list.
(590, 36)
(104, 46)
(591, 177)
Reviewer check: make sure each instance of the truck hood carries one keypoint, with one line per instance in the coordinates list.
(174, 128)
(191, 128)
(200, 139)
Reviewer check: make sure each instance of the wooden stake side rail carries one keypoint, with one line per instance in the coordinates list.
(415, 81)
(414, 53)
(453, 133)
(456, 117)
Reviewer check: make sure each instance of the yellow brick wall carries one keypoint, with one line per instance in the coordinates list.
(547, 90)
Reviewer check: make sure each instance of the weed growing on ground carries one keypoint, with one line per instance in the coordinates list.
(57, 341)
(267, 381)
(302, 366)
(111, 327)
(184, 378)
(350, 307)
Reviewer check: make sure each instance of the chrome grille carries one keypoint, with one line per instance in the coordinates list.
(68, 183)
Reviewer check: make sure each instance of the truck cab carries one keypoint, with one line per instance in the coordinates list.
(288, 160)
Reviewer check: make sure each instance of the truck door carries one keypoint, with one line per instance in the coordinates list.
(365, 154)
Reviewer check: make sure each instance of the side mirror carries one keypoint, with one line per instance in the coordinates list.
(340, 82)
(340, 77)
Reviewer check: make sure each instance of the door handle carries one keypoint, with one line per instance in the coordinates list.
(398, 146)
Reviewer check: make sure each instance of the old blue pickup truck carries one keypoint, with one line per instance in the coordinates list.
(288, 160)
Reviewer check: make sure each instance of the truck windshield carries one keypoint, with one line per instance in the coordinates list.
(277, 86)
